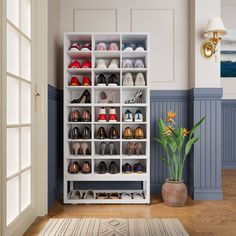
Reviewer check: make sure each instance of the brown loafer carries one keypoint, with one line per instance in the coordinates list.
(86, 168)
(128, 133)
(139, 133)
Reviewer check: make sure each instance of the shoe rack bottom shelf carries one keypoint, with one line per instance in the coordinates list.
(108, 201)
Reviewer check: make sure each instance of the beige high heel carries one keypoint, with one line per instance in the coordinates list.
(85, 148)
(76, 147)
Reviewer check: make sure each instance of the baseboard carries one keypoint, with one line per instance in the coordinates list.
(207, 194)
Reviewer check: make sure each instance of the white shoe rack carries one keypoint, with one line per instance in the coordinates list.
(72, 181)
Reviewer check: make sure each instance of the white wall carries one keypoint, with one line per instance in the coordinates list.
(228, 13)
(203, 73)
(167, 22)
(54, 48)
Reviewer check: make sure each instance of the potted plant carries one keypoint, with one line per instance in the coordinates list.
(177, 144)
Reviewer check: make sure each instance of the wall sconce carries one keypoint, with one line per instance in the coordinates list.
(215, 29)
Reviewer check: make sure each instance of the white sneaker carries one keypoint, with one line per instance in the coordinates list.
(138, 116)
(101, 64)
(139, 63)
(127, 63)
(128, 79)
(128, 116)
(114, 64)
(139, 80)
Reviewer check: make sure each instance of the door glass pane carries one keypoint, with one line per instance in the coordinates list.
(13, 11)
(25, 16)
(25, 103)
(12, 151)
(12, 199)
(25, 189)
(25, 147)
(12, 101)
(25, 58)
(12, 50)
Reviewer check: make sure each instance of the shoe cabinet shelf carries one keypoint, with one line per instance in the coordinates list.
(106, 118)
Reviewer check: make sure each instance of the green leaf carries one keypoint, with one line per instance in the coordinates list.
(162, 126)
(180, 139)
(158, 140)
(195, 127)
(189, 144)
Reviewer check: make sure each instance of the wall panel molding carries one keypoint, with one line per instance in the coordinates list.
(205, 159)
(203, 179)
(162, 49)
(97, 17)
(55, 141)
(229, 134)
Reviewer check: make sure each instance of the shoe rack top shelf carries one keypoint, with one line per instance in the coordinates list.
(123, 93)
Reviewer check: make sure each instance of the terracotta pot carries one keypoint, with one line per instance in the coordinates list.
(174, 193)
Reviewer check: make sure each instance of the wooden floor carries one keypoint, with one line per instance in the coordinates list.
(201, 218)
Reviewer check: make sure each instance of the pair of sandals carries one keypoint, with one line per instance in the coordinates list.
(139, 63)
(77, 194)
(129, 196)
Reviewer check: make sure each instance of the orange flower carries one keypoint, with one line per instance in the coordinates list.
(185, 132)
(171, 115)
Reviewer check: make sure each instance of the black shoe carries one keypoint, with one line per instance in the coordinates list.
(75, 134)
(86, 134)
(113, 133)
(113, 168)
(138, 168)
(102, 168)
(101, 133)
(84, 98)
(112, 80)
(127, 168)
(101, 80)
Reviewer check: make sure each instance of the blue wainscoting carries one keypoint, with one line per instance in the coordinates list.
(229, 134)
(161, 103)
(55, 144)
(205, 158)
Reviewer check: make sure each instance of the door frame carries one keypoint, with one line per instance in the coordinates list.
(40, 127)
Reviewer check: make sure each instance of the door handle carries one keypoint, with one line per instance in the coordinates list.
(36, 101)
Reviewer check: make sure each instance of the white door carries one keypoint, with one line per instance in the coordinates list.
(18, 208)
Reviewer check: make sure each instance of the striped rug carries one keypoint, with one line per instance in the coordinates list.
(113, 227)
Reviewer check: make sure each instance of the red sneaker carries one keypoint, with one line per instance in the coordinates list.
(102, 115)
(86, 64)
(112, 115)
(74, 81)
(86, 81)
(74, 64)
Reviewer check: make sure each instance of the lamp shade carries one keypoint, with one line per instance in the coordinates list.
(215, 25)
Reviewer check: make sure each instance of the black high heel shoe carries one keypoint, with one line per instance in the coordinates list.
(84, 98)
(138, 98)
